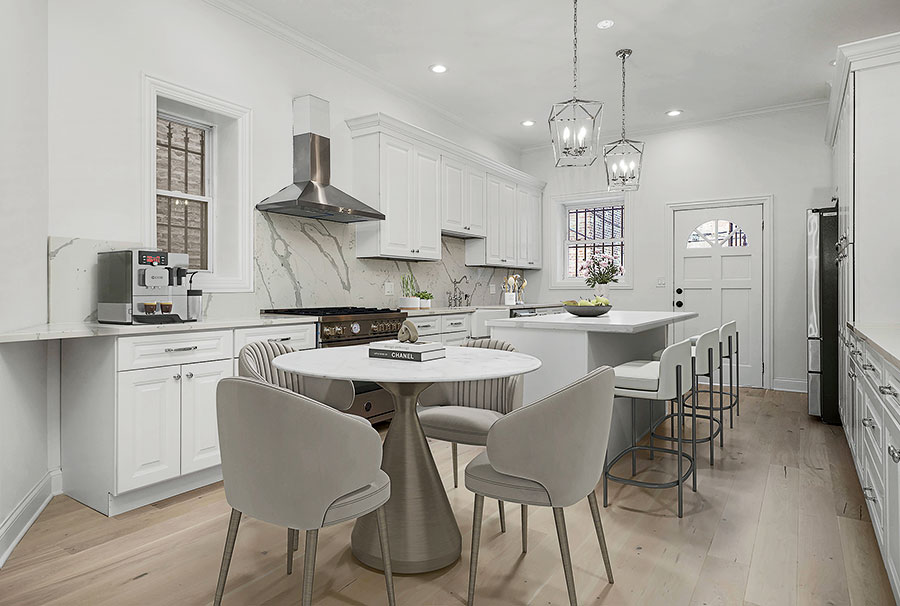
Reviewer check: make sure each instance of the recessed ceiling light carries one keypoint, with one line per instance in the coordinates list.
(674, 112)
(438, 68)
(527, 122)
(833, 62)
(606, 24)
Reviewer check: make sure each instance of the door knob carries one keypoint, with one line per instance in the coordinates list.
(679, 303)
(678, 291)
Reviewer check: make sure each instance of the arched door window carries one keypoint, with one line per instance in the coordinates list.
(717, 232)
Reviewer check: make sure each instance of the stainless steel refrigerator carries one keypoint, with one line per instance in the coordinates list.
(822, 313)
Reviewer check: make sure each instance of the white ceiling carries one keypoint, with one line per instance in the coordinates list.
(509, 60)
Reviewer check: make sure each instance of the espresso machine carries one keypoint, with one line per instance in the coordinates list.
(142, 287)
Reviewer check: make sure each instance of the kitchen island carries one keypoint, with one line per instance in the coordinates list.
(570, 347)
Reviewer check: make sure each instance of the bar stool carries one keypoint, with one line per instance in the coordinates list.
(729, 335)
(655, 380)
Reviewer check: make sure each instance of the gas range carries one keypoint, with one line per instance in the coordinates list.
(343, 326)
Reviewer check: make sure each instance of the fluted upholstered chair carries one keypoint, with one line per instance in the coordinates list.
(292, 461)
(463, 412)
(255, 362)
(548, 454)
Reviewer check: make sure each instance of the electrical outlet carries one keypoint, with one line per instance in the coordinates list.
(389, 289)
(493, 289)
(660, 283)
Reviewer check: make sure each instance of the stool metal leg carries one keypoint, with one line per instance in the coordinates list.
(679, 402)
(694, 420)
(721, 400)
(233, 524)
(309, 567)
(502, 516)
(290, 549)
(476, 543)
(650, 416)
(730, 384)
(606, 480)
(737, 370)
(712, 412)
(560, 520)
(633, 440)
(454, 452)
(598, 526)
(524, 528)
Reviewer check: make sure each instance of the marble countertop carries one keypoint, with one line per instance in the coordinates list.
(885, 338)
(442, 311)
(612, 322)
(74, 330)
(460, 364)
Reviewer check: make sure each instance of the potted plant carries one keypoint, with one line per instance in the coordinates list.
(599, 271)
(425, 298)
(409, 300)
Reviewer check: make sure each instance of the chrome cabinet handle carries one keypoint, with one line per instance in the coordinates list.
(869, 422)
(868, 367)
(888, 390)
(866, 491)
(177, 377)
(457, 323)
(894, 453)
(190, 375)
(175, 349)
(531, 262)
(851, 374)
(856, 352)
(279, 340)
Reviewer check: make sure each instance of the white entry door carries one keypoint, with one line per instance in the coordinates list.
(718, 255)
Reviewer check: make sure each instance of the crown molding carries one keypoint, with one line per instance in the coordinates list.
(771, 109)
(851, 57)
(285, 33)
(382, 123)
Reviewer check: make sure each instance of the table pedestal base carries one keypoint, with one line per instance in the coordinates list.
(422, 530)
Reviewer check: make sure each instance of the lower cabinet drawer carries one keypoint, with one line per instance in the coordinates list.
(455, 323)
(166, 349)
(299, 336)
(454, 338)
(427, 325)
(873, 490)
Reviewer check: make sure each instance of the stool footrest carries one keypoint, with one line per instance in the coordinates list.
(643, 484)
(715, 433)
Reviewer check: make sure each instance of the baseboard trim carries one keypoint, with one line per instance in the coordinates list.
(781, 384)
(17, 523)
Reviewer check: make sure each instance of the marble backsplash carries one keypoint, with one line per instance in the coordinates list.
(298, 263)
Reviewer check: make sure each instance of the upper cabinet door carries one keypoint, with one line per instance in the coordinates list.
(475, 202)
(426, 211)
(523, 217)
(508, 248)
(495, 232)
(148, 424)
(535, 230)
(453, 193)
(199, 431)
(397, 197)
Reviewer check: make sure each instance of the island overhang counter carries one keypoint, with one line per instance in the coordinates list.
(571, 346)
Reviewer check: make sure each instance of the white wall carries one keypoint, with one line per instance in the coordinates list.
(23, 246)
(782, 154)
(96, 66)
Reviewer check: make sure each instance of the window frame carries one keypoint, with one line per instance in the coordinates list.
(560, 244)
(209, 186)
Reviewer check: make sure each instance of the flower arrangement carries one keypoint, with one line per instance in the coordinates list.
(600, 269)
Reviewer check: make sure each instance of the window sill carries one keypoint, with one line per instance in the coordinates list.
(580, 285)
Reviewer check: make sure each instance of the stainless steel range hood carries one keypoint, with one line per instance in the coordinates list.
(311, 195)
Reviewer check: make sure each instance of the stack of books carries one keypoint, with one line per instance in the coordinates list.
(420, 351)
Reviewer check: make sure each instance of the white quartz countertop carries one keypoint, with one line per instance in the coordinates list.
(443, 311)
(613, 322)
(885, 338)
(74, 330)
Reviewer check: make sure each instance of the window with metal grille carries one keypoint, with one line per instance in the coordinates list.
(183, 196)
(593, 230)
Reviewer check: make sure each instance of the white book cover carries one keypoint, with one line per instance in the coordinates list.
(418, 346)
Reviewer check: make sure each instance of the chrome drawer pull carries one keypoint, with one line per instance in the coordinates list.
(455, 323)
(176, 377)
(888, 390)
(868, 367)
(174, 349)
(851, 374)
(894, 453)
(870, 423)
(279, 340)
(866, 494)
(190, 375)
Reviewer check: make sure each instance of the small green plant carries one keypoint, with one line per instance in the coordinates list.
(424, 294)
(408, 285)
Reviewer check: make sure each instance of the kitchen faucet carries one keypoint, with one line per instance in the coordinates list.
(455, 298)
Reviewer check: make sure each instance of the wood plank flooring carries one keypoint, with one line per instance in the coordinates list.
(780, 519)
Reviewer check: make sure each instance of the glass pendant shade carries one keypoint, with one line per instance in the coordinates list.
(575, 132)
(623, 164)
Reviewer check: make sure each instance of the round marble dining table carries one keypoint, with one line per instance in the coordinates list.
(422, 529)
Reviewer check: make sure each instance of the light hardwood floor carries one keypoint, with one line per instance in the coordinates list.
(781, 519)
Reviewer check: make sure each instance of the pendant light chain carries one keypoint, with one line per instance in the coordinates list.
(624, 56)
(575, 50)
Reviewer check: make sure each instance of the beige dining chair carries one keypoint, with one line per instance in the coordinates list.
(463, 412)
(291, 461)
(548, 454)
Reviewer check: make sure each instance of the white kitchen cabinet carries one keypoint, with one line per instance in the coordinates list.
(148, 427)
(199, 430)
(892, 493)
(514, 227)
(462, 198)
(454, 338)
(427, 203)
(529, 219)
(476, 183)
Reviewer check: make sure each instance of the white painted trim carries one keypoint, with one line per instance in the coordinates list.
(782, 384)
(558, 204)
(768, 262)
(160, 491)
(382, 123)
(23, 515)
(154, 87)
(851, 57)
(285, 33)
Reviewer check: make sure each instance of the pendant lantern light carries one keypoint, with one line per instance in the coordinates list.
(575, 124)
(623, 157)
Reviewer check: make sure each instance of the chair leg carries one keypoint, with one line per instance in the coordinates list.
(476, 542)
(721, 400)
(650, 418)
(296, 540)
(560, 520)
(679, 404)
(385, 554)
(233, 524)
(309, 566)
(292, 540)
(606, 480)
(454, 451)
(737, 370)
(694, 420)
(524, 528)
(730, 384)
(633, 441)
(712, 424)
(502, 509)
(598, 526)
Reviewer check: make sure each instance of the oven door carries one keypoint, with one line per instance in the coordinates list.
(371, 401)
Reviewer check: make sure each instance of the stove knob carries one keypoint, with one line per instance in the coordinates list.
(327, 331)
(354, 328)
